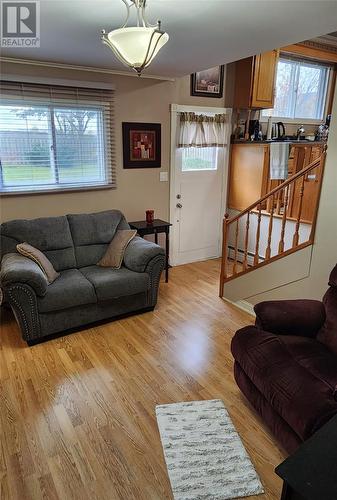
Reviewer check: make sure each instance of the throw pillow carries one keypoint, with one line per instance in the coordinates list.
(37, 256)
(114, 254)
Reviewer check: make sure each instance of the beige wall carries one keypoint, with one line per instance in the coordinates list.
(317, 261)
(137, 99)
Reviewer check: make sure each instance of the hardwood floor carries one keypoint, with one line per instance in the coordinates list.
(77, 413)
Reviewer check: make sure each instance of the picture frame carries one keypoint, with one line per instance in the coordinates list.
(208, 83)
(141, 145)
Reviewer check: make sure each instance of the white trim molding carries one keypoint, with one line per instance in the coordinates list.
(174, 110)
(58, 81)
(243, 305)
(92, 69)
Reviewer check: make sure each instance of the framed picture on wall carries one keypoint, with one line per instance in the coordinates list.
(208, 83)
(141, 145)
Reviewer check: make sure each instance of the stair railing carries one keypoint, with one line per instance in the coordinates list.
(273, 205)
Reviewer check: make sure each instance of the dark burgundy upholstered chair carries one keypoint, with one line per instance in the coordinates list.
(286, 365)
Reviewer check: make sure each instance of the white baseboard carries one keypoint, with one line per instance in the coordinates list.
(243, 305)
(240, 256)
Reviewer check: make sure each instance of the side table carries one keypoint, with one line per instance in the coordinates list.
(311, 472)
(158, 226)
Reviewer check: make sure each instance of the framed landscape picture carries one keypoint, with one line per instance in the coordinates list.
(141, 145)
(208, 83)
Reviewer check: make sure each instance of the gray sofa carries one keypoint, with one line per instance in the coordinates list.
(84, 293)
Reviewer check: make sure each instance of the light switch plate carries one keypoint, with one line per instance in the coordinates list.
(163, 176)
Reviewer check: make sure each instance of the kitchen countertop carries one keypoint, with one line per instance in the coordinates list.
(298, 143)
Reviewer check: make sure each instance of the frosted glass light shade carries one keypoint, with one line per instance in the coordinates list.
(136, 46)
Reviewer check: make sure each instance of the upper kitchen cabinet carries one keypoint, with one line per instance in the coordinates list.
(255, 81)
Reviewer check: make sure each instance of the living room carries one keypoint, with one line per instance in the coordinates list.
(138, 175)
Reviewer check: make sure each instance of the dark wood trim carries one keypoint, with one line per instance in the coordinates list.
(311, 52)
(331, 91)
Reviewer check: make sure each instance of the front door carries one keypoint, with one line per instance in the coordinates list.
(197, 203)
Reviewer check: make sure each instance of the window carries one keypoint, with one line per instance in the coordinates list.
(199, 159)
(301, 90)
(56, 143)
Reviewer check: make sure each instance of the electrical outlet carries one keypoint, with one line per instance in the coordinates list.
(163, 176)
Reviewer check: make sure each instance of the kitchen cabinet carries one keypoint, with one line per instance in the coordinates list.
(306, 155)
(248, 174)
(249, 177)
(255, 81)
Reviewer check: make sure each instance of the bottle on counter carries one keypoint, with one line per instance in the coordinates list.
(322, 133)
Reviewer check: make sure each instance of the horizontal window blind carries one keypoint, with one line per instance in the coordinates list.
(55, 137)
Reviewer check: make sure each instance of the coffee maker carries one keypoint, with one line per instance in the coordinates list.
(254, 130)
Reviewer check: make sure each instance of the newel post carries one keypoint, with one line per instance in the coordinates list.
(223, 274)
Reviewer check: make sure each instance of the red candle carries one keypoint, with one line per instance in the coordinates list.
(149, 216)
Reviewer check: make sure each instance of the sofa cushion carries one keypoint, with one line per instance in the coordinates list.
(41, 260)
(92, 234)
(50, 235)
(114, 254)
(112, 283)
(296, 375)
(284, 433)
(314, 357)
(69, 290)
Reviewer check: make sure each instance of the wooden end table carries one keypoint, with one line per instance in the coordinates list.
(158, 226)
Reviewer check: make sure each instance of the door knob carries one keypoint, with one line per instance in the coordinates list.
(178, 196)
(179, 205)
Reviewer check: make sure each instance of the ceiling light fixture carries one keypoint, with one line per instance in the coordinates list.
(136, 46)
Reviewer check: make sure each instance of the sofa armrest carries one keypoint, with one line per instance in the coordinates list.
(16, 268)
(139, 253)
(290, 317)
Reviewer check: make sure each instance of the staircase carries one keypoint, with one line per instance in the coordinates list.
(273, 227)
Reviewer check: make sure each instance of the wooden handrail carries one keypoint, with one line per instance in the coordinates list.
(279, 202)
(311, 166)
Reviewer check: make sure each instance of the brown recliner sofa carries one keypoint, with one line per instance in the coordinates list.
(286, 365)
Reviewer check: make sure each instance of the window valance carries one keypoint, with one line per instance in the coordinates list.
(202, 131)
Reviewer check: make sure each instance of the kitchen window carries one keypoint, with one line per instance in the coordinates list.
(55, 139)
(301, 90)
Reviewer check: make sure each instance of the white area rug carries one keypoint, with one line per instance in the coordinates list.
(204, 455)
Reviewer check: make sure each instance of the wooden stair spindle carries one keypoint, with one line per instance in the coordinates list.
(284, 220)
(270, 229)
(245, 255)
(223, 273)
(257, 244)
(236, 247)
(298, 219)
(279, 201)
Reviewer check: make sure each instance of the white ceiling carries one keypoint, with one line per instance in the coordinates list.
(203, 33)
